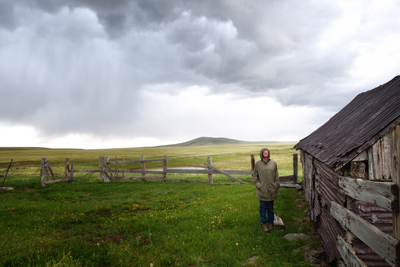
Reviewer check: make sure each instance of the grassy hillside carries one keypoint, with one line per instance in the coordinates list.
(209, 141)
(217, 141)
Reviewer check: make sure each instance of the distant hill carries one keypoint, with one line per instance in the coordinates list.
(210, 141)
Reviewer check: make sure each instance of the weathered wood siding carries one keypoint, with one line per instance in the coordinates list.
(321, 187)
(380, 162)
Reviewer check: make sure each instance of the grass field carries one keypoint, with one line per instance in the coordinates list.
(151, 223)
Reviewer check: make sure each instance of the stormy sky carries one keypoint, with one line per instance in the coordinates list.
(102, 74)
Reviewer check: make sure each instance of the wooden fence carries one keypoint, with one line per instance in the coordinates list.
(110, 171)
(381, 194)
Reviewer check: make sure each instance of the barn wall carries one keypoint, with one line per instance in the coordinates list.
(383, 163)
(379, 162)
(321, 187)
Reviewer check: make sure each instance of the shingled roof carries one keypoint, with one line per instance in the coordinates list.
(368, 117)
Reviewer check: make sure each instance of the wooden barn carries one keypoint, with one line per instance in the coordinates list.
(351, 173)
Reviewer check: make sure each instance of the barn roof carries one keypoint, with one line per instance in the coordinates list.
(368, 117)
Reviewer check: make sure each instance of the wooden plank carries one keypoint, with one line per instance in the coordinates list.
(165, 167)
(50, 170)
(143, 166)
(138, 161)
(384, 245)
(284, 185)
(295, 168)
(104, 174)
(396, 176)
(86, 170)
(101, 169)
(386, 156)
(116, 169)
(348, 254)
(376, 150)
(205, 171)
(288, 178)
(106, 162)
(210, 175)
(224, 173)
(42, 172)
(211, 171)
(123, 177)
(71, 177)
(381, 194)
(66, 171)
(147, 171)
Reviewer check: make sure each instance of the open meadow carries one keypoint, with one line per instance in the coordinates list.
(146, 223)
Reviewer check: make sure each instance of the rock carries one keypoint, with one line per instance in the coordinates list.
(7, 188)
(315, 257)
(252, 260)
(319, 253)
(291, 237)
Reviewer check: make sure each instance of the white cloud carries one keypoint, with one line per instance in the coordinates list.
(194, 112)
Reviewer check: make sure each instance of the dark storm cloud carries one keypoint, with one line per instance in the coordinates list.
(81, 65)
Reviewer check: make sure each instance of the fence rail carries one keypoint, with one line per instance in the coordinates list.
(109, 171)
(381, 194)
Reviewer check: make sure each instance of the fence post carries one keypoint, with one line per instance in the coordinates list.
(143, 166)
(116, 169)
(101, 169)
(106, 175)
(253, 162)
(71, 177)
(295, 167)
(49, 171)
(123, 162)
(210, 175)
(165, 169)
(67, 169)
(42, 172)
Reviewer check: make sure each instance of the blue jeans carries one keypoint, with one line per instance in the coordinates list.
(267, 207)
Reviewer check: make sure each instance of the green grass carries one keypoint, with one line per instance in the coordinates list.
(135, 223)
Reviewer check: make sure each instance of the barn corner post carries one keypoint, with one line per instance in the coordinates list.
(165, 168)
(396, 180)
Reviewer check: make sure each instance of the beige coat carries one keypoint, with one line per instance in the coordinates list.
(266, 178)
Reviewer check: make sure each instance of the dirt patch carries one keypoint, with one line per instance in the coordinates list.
(114, 238)
(26, 189)
(118, 238)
